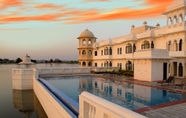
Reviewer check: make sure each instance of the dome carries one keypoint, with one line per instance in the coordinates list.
(86, 33)
(175, 5)
(26, 60)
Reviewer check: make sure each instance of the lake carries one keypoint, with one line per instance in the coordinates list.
(17, 103)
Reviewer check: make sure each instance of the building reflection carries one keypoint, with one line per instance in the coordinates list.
(27, 103)
(132, 95)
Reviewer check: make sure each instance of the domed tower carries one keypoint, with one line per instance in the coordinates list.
(86, 41)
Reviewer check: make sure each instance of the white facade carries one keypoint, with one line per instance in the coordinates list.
(152, 52)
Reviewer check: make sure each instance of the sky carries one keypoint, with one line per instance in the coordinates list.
(48, 29)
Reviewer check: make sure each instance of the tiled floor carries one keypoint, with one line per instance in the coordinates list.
(173, 110)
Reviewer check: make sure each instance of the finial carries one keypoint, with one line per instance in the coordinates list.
(144, 23)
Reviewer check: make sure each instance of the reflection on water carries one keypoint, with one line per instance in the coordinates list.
(127, 95)
(23, 101)
(16, 103)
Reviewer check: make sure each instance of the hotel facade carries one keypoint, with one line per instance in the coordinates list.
(152, 52)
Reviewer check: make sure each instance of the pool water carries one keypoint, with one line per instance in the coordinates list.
(130, 96)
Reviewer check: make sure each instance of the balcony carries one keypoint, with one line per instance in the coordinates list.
(177, 53)
(151, 53)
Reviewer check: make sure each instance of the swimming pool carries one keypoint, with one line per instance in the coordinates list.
(130, 96)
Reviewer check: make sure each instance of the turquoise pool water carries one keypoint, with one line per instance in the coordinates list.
(130, 96)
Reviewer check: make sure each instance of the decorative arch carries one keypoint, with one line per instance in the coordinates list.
(180, 45)
(106, 51)
(84, 42)
(110, 64)
(89, 41)
(180, 70)
(169, 22)
(90, 52)
(169, 46)
(110, 51)
(89, 63)
(83, 52)
(128, 48)
(84, 64)
(145, 45)
(175, 20)
(129, 65)
(134, 47)
(180, 19)
(175, 45)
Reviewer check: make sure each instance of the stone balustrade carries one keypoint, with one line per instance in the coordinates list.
(92, 106)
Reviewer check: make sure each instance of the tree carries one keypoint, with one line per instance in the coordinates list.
(51, 60)
(18, 60)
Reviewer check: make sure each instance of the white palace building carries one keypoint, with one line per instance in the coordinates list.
(152, 52)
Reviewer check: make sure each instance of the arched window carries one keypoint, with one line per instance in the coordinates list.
(175, 19)
(84, 52)
(101, 52)
(129, 65)
(89, 41)
(84, 41)
(95, 64)
(180, 45)
(110, 51)
(145, 45)
(169, 46)
(106, 51)
(90, 52)
(180, 70)
(134, 47)
(83, 64)
(169, 21)
(106, 64)
(110, 64)
(128, 48)
(175, 45)
(89, 63)
(180, 19)
(152, 44)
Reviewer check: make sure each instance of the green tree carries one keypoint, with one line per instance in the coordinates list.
(18, 60)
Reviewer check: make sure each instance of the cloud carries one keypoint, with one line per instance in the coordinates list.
(48, 6)
(80, 15)
(96, 0)
(9, 3)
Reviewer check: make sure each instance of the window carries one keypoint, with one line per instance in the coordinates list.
(95, 53)
(145, 45)
(106, 51)
(90, 52)
(129, 65)
(110, 51)
(84, 42)
(134, 48)
(89, 41)
(119, 51)
(89, 64)
(180, 45)
(95, 64)
(84, 64)
(102, 52)
(152, 44)
(169, 46)
(84, 52)
(128, 48)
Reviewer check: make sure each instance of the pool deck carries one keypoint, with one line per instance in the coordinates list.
(169, 110)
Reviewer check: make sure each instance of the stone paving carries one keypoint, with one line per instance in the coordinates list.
(173, 111)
